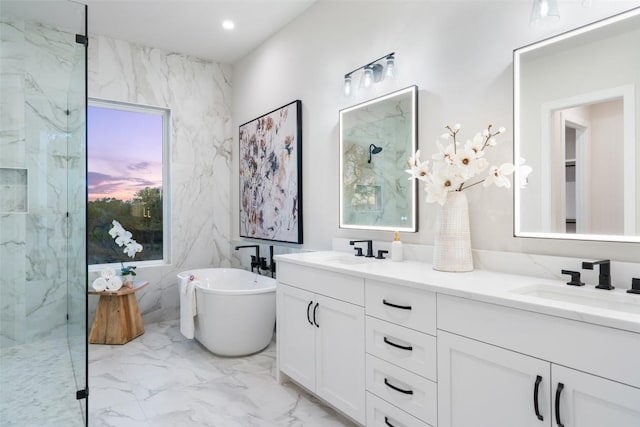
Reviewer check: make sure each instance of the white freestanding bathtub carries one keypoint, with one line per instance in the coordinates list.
(236, 310)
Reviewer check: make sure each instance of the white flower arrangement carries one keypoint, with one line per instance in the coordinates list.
(123, 238)
(455, 164)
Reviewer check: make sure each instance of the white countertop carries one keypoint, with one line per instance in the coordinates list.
(485, 286)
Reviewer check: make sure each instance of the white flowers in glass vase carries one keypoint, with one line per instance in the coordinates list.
(456, 164)
(124, 238)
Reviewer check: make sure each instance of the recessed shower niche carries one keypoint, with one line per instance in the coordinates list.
(13, 190)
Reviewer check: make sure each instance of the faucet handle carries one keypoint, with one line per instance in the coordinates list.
(358, 251)
(381, 254)
(635, 286)
(575, 278)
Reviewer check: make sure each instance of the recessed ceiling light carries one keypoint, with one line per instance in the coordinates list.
(228, 24)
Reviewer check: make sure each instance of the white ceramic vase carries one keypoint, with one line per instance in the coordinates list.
(452, 245)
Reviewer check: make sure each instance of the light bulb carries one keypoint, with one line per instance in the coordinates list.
(543, 9)
(390, 67)
(347, 85)
(367, 77)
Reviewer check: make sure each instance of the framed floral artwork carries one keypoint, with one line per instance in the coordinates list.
(270, 160)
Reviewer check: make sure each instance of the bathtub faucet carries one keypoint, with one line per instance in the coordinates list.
(255, 259)
(268, 267)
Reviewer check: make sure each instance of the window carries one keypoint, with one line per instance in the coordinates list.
(127, 178)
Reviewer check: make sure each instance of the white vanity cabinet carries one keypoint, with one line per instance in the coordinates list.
(485, 380)
(401, 355)
(321, 338)
(438, 353)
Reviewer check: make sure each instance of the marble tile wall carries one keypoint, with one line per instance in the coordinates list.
(198, 93)
(36, 133)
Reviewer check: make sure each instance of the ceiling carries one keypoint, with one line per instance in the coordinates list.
(191, 27)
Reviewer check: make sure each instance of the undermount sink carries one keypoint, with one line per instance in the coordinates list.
(596, 298)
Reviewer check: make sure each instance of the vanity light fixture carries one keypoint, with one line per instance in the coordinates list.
(544, 9)
(373, 72)
(228, 24)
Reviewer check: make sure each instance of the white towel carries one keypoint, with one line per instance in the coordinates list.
(187, 306)
(100, 284)
(114, 283)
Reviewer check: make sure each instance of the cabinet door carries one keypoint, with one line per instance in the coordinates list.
(340, 355)
(585, 400)
(481, 385)
(296, 335)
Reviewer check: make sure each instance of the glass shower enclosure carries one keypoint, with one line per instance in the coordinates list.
(43, 299)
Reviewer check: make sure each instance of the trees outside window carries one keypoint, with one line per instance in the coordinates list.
(126, 178)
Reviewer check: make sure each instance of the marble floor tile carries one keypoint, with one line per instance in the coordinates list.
(162, 379)
(37, 386)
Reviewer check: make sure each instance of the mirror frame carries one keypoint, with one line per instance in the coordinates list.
(413, 90)
(630, 132)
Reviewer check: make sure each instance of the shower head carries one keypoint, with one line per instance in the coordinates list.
(373, 149)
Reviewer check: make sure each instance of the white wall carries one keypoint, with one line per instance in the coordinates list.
(459, 53)
(198, 93)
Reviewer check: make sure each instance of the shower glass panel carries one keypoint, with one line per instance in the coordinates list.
(43, 320)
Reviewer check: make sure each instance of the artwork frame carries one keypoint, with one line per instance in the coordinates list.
(270, 175)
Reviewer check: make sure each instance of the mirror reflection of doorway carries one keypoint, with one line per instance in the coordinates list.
(588, 138)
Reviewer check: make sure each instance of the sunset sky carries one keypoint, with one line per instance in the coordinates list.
(125, 152)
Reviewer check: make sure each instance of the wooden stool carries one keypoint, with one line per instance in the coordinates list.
(117, 319)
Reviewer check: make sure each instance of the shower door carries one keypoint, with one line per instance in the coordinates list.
(43, 344)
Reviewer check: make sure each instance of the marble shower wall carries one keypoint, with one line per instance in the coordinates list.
(37, 122)
(198, 93)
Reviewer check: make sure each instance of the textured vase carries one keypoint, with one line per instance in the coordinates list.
(452, 245)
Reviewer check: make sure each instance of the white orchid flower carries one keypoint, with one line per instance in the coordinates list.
(443, 180)
(132, 248)
(501, 130)
(116, 230)
(123, 238)
(418, 169)
(476, 145)
(467, 163)
(444, 154)
(498, 175)
(523, 173)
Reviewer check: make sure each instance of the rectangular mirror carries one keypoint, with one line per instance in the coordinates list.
(377, 138)
(575, 118)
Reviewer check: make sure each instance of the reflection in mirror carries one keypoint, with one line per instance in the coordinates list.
(376, 139)
(575, 121)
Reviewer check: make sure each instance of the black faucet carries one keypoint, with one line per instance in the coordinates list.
(575, 278)
(369, 247)
(255, 259)
(604, 278)
(268, 267)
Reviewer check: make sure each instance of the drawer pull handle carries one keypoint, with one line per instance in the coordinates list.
(558, 393)
(309, 318)
(392, 344)
(314, 315)
(401, 307)
(388, 384)
(387, 422)
(536, 387)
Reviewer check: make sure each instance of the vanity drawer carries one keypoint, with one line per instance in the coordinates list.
(413, 308)
(335, 285)
(384, 340)
(383, 414)
(404, 389)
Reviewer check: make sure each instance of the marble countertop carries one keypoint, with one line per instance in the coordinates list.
(615, 308)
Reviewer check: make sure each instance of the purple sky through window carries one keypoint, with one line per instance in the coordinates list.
(124, 152)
